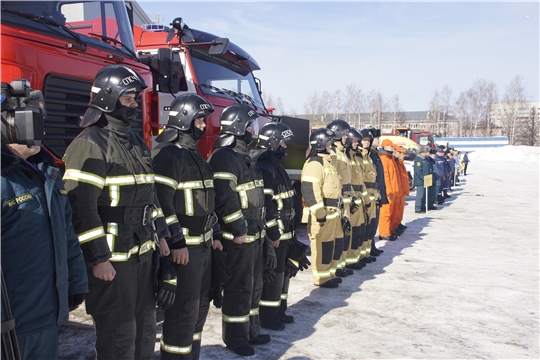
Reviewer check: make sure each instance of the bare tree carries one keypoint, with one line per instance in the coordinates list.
(462, 111)
(311, 106)
(337, 104)
(433, 113)
(353, 105)
(529, 129)
(492, 97)
(397, 113)
(512, 107)
(481, 95)
(444, 109)
(376, 107)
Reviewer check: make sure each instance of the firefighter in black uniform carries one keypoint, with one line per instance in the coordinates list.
(110, 184)
(240, 208)
(370, 140)
(279, 200)
(185, 187)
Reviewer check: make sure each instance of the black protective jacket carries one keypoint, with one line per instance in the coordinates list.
(279, 197)
(185, 186)
(380, 175)
(239, 193)
(110, 184)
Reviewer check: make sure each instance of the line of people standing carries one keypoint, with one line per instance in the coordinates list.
(351, 189)
(444, 166)
(228, 218)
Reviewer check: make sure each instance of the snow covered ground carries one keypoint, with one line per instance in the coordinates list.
(461, 282)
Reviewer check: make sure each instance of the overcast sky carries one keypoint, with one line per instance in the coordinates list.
(408, 49)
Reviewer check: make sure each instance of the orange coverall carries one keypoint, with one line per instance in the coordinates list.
(391, 180)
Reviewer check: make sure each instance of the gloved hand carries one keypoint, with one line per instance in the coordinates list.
(167, 284)
(303, 262)
(75, 300)
(269, 254)
(354, 206)
(291, 269)
(268, 275)
(346, 223)
(322, 220)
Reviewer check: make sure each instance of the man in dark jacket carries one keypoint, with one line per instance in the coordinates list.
(466, 162)
(42, 261)
(421, 169)
(279, 199)
(117, 217)
(185, 187)
(240, 208)
(371, 140)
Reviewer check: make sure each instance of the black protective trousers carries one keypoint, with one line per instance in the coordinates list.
(271, 298)
(258, 267)
(124, 310)
(238, 292)
(184, 320)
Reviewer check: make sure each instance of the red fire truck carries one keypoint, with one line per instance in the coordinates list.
(216, 69)
(59, 46)
(421, 137)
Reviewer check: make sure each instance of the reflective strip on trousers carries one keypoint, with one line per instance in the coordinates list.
(175, 349)
(324, 274)
(235, 319)
(270, 303)
(197, 336)
(284, 296)
(254, 312)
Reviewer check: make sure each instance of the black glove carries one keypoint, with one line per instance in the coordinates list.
(268, 275)
(354, 206)
(346, 223)
(75, 300)
(291, 269)
(269, 254)
(303, 262)
(322, 220)
(167, 284)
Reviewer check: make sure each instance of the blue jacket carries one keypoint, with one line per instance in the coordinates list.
(421, 168)
(441, 167)
(41, 257)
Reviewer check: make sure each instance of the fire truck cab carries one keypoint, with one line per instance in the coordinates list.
(59, 46)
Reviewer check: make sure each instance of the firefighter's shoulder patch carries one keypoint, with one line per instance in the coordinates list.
(418, 163)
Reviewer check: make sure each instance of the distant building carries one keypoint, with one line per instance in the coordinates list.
(386, 121)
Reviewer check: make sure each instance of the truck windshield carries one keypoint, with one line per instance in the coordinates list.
(214, 78)
(100, 23)
(425, 140)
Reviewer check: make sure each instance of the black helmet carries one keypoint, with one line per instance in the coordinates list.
(376, 132)
(236, 118)
(183, 111)
(366, 134)
(319, 138)
(352, 135)
(110, 83)
(272, 134)
(338, 127)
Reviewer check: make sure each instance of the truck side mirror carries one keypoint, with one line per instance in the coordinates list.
(219, 46)
(166, 82)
